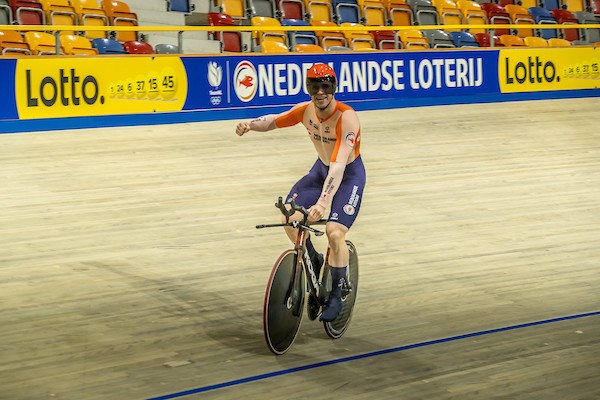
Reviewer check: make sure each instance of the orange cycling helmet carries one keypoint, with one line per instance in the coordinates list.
(321, 76)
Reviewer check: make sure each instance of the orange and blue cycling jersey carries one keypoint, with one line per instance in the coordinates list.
(339, 129)
(335, 138)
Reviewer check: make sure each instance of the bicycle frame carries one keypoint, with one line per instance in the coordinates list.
(300, 250)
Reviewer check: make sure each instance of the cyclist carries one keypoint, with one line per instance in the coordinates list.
(335, 181)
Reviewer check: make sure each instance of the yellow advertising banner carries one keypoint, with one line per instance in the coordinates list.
(535, 70)
(68, 87)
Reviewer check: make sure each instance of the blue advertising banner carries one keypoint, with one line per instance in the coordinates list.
(275, 80)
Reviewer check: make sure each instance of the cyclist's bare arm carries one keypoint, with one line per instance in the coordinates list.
(268, 122)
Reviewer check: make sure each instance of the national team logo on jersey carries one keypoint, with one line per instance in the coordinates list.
(349, 209)
(351, 139)
(245, 81)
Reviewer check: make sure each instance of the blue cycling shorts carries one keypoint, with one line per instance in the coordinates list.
(347, 199)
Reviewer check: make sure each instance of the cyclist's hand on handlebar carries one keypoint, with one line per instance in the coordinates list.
(316, 212)
(242, 128)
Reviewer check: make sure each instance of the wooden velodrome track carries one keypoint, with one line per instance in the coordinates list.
(130, 266)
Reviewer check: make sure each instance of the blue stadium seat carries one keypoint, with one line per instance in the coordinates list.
(108, 46)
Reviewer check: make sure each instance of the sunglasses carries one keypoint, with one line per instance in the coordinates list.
(314, 87)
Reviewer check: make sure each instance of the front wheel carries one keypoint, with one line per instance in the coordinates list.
(281, 318)
(336, 328)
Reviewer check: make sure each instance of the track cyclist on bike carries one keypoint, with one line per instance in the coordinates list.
(335, 181)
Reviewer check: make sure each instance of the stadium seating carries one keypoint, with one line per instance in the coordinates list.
(270, 46)
(534, 41)
(6, 15)
(497, 15)
(449, 14)
(60, 12)
(590, 35)
(77, 45)
(308, 48)
(575, 5)
(473, 14)
(230, 41)
(262, 8)
(373, 11)
(291, 9)
(299, 37)
(90, 14)
(345, 11)
(463, 39)
(399, 12)
(543, 16)
(565, 17)
(166, 48)
(42, 43)
(138, 47)
(258, 37)
(27, 12)
(318, 10)
(438, 39)
(512, 41)
(329, 38)
(13, 44)
(487, 40)
(108, 46)
(555, 42)
(520, 16)
(413, 39)
(119, 14)
(424, 13)
(358, 40)
(386, 40)
(236, 9)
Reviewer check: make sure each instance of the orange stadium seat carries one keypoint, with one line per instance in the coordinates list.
(520, 16)
(119, 14)
(12, 44)
(308, 48)
(258, 37)
(90, 14)
(534, 41)
(41, 43)
(271, 46)
(27, 12)
(138, 47)
(555, 42)
(512, 41)
(77, 45)
(230, 41)
(473, 14)
(413, 40)
(575, 5)
(399, 12)
(318, 10)
(449, 13)
(374, 12)
(528, 3)
(60, 12)
(234, 8)
(330, 38)
(358, 40)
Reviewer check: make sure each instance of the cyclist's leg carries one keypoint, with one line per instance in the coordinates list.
(344, 210)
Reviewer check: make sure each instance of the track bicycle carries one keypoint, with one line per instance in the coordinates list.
(287, 286)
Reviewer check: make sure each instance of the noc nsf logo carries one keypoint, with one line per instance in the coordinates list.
(215, 77)
(245, 81)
